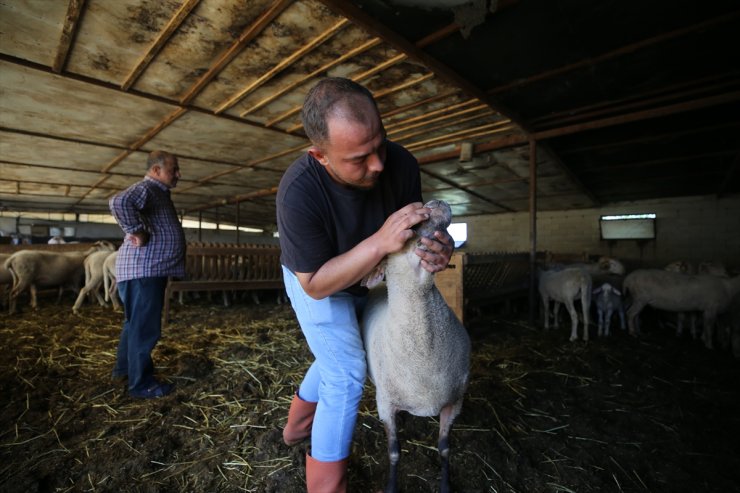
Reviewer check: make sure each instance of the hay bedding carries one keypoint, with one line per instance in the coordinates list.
(542, 414)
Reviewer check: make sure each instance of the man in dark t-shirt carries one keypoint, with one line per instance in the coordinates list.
(342, 207)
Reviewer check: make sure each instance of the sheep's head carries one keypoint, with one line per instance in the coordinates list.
(440, 216)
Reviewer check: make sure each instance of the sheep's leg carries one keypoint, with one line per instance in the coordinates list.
(574, 322)
(446, 417)
(600, 314)
(679, 324)
(546, 303)
(632, 313)
(607, 323)
(34, 298)
(622, 323)
(80, 299)
(226, 298)
(394, 452)
(709, 319)
(556, 315)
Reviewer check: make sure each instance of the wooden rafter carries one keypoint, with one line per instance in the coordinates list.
(430, 114)
(416, 104)
(441, 124)
(463, 134)
(473, 135)
(706, 84)
(250, 164)
(451, 183)
(429, 119)
(427, 40)
(232, 51)
(71, 21)
(624, 50)
(283, 64)
(164, 36)
(671, 109)
(363, 19)
(302, 80)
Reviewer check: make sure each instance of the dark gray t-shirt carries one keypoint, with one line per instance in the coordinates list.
(319, 219)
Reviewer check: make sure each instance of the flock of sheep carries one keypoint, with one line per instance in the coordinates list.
(680, 287)
(40, 269)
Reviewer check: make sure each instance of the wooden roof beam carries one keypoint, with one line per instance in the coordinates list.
(285, 63)
(413, 50)
(164, 36)
(466, 190)
(432, 114)
(462, 134)
(445, 124)
(483, 109)
(350, 54)
(251, 32)
(427, 40)
(421, 102)
(69, 30)
(624, 50)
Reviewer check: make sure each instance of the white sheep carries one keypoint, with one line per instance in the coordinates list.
(674, 292)
(712, 269)
(109, 280)
(94, 272)
(33, 269)
(418, 352)
(564, 286)
(608, 300)
(6, 278)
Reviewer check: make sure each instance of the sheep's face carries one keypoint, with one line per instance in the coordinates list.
(440, 216)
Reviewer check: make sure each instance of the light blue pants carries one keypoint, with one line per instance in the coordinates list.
(337, 375)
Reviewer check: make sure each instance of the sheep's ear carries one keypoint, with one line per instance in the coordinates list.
(375, 276)
(597, 291)
(619, 293)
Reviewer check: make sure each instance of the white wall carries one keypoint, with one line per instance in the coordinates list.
(689, 228)
(96, 231)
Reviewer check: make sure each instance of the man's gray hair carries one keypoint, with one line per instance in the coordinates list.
(157, 158)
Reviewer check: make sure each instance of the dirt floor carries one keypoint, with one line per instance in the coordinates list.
(542, 414)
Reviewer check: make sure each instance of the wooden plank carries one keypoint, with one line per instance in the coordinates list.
(450, 284)
(159, 42)
(71, 21)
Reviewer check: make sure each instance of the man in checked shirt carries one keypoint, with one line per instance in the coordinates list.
(152, 250)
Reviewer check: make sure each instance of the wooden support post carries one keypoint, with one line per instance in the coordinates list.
(532, 230)
(238, 206)
(200, 226)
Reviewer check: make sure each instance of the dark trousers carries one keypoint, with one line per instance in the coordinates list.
(142, 305)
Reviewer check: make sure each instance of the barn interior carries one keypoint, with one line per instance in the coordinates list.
(508, 105)
(534, 119)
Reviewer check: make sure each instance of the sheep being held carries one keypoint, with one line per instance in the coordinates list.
(418, 352)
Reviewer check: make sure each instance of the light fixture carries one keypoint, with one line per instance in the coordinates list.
(466, 152)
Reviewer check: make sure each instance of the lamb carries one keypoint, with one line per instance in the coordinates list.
(675, 292)
(418, 352)
(37, 268)
(93, 265)
(564, 286)
(608, 299)
(109, 280)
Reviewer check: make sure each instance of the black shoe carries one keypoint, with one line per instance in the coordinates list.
(154, 391)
